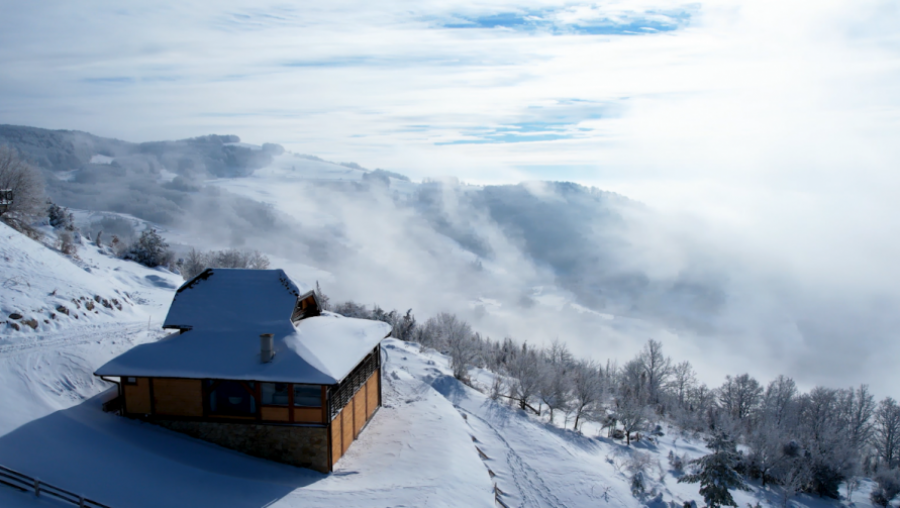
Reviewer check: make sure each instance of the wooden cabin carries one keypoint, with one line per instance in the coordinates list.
(256, 365)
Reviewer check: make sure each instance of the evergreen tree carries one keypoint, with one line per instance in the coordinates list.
(716, 473)
(150, 250)
(324, 301)
(60, 218)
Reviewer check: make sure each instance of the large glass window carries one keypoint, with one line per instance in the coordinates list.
(307, 396)
(274, 394)
(232, 398)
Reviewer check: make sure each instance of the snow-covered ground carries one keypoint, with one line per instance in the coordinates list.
(434, 443)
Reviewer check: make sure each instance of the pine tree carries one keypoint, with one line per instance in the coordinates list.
(150, 250)
(324, 301)
(716, 473)
(60, 218)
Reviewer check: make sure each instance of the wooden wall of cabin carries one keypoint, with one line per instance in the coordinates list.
(184, 398)
(177, 397)
(137, 396)
(348, 423)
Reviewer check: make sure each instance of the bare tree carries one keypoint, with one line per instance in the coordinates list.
(556, 387)
(887, 432)
(27, 185)
(193, 264)
(587, 389)
(453, 336)
(740, 396)
(860, 406)
(524, 376)
(778, 400)
(632, 414)
(683, 380)
(657, 368)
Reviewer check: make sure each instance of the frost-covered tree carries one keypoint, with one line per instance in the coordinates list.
(453, 336)
(886, 438)
(657, 369)
(822, 433)
(67, 243)
(524, 374)
(859, 406)
(27, 186)
(768, 458)
(633, 381)
(404, 326)
(683, 380)
(587, 390)
(195, 262)
(715, 471)
(778, 400)
(60, 217)
(149, 250)
(556, 370)
(740, 396)
(633, 415)
(324, 301)
(887, 487)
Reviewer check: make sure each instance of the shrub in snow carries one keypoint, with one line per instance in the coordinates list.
(67, 244)
(60, 218)
(352, 309)
(887, 487)
(638, 462)
(196, 261)
(715, 472)
(638, 488)
(676, 462)
(149, 250)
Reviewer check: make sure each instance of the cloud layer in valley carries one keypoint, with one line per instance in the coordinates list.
(761, 135)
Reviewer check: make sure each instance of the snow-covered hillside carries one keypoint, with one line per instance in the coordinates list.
(46, 291)
(435, 442)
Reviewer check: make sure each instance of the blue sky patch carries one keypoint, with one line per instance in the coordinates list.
(550, 21)
(520, 132)
(543, 123)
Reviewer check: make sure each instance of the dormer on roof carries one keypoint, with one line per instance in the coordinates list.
(235, 298)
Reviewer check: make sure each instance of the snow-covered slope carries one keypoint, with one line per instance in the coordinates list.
(434, 443)
(46, 291)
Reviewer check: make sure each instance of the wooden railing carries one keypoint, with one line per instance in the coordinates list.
(26, 483)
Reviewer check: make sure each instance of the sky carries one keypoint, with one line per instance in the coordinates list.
(766, 130)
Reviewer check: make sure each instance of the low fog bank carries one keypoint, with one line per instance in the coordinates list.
(535, 261)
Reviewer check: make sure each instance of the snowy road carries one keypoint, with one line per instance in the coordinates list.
(111, 333)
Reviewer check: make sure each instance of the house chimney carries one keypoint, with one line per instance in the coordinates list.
(266, 347)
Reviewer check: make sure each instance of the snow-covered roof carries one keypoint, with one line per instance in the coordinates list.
(318, 350)
(225, 299)
(227, 311)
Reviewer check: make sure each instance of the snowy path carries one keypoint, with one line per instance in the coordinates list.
(96, 333)
(520, 483)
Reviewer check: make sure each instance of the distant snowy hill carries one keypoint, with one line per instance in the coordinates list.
(534, 261)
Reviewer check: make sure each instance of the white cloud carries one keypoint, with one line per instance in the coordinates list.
(771, 123)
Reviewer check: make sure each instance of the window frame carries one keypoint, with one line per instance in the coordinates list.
(209, 389)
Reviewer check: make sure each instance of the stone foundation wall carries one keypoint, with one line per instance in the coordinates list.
(298, 446)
